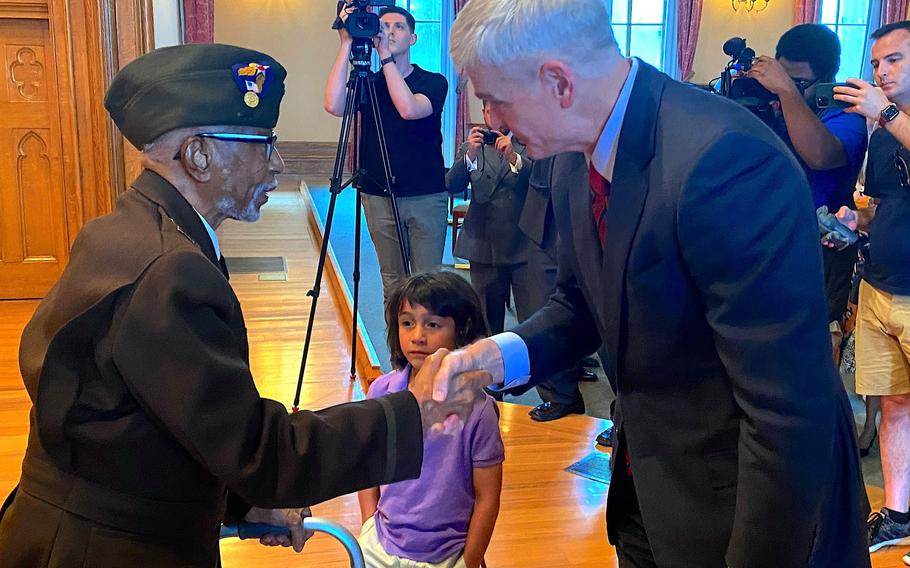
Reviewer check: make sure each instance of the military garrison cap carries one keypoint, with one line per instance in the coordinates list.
(195, 85)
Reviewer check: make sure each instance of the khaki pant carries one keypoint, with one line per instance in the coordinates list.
(882, 343)
(376, 557)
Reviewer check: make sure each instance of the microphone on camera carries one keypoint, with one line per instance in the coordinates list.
(734, 46)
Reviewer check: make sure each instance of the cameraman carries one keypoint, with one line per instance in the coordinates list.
(410, 101)
(829, 143)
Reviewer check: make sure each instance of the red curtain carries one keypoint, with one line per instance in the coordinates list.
(199, 21)
(462, 112)
(805, 11)
(688, 22)
(894, 11)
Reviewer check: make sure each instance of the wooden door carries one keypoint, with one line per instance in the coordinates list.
(33, 225)
(62, 161)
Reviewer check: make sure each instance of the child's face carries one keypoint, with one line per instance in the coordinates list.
(421, 333)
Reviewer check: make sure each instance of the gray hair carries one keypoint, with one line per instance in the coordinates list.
(500, 32)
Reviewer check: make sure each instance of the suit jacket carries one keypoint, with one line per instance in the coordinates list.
(708, 295)
(536, 219)
(145, 412)
(490, 233)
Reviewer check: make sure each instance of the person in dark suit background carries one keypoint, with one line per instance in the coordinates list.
(146, 430)
(559, 392)
(490, 238)
(734, 436)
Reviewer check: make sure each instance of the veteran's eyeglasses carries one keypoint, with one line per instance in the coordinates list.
(269, 141)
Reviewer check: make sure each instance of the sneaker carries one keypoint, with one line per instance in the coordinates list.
(885, 531)
(906, 559)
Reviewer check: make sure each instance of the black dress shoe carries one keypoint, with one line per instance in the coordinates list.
(497, 395)
(605, 438)
(590, 361)
(586, 375)
(555, 410)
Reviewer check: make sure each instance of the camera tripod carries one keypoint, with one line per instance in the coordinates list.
(359, 92)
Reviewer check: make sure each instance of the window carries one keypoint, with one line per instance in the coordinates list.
(432, 22)
(640, 29)
(849, 19)
(427, 52)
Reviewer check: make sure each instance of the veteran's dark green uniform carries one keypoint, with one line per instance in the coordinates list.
(146, 424)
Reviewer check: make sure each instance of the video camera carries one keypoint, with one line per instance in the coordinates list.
(361, 24)
(745, 90)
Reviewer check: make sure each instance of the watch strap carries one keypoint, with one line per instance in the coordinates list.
(389, 59)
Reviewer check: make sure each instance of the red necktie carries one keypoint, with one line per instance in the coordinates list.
(600, 189)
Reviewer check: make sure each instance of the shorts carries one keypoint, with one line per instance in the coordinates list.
(376, 557)
(882, 342)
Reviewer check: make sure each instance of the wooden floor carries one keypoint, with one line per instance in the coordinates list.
(531, 528)
(549, 517)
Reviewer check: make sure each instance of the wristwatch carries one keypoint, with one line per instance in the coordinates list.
(391, 59)
(890, 113)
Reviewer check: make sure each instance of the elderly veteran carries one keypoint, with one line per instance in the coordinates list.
(147, 430)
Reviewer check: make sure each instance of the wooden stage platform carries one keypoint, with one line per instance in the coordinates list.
(549, 518)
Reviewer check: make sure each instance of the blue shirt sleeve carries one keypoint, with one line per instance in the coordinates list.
(850, 129)
(515, 360)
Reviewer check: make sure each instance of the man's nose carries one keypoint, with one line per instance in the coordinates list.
(276, 163)
(495, 122)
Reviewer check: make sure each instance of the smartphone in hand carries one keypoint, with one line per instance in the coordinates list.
(824, 95)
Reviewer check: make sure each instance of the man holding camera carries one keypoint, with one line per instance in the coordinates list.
(882, 342)
(490, 238)
(828, 142)
(410, 101)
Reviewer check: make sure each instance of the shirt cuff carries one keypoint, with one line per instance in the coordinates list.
(517, 167)
(471, 164)
(516, 363)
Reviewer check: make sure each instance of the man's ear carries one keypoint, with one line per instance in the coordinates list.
(196, 158)
(558, 80)
(413, 38)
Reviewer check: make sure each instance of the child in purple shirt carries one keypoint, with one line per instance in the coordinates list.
(445, 518)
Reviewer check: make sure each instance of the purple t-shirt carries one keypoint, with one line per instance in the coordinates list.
(426, 519)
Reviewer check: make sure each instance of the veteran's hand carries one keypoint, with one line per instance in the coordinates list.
(290, 518)
(449, 383)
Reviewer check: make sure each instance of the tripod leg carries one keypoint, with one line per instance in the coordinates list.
(355, 312)
(335, 188)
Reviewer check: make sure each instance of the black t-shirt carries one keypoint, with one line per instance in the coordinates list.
(415, 146)
(888, 267)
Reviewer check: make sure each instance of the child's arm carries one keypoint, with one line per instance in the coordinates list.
(369, 500)
(487, 489)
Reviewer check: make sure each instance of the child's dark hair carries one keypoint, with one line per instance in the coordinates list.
(444, 294)
(399, 10)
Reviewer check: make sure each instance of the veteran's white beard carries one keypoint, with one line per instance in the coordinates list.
(231, 209)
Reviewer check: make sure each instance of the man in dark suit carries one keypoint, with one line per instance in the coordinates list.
(490, 237)
(146, 430)
(689, 249)
(559, 392)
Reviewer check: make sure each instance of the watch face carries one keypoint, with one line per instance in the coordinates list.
(890, 112)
